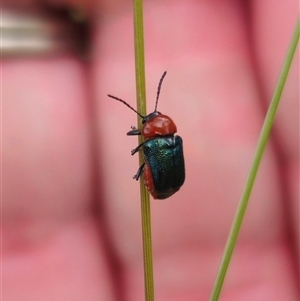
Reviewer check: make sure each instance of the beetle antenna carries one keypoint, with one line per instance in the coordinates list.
(126, 104)
(158, 89)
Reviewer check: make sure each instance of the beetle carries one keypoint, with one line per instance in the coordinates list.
(163, 168)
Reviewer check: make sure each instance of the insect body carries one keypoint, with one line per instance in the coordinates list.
(163, 169)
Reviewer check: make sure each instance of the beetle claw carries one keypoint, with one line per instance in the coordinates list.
(139, 172)
(135, 150)
(134, 131)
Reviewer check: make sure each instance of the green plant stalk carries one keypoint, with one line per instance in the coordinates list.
(264, 135)
(141, 107)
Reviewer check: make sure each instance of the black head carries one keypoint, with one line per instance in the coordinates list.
(150, 116)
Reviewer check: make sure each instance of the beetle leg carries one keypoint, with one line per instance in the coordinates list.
(139, 172)
(134, 131)
(135, 150)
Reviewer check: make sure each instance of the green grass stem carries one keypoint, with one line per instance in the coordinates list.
(141, 107)
(264, 135)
